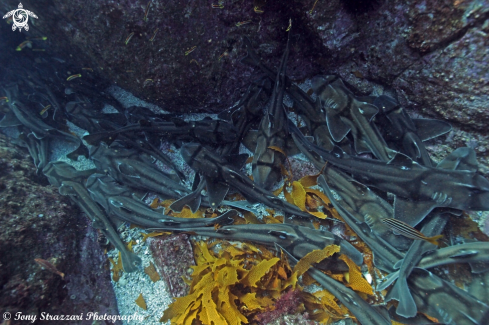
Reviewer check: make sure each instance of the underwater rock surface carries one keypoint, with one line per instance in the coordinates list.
(432, 53)
(39, 223)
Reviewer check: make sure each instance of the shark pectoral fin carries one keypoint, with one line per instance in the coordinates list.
(387, 281)
(194, 204)
(430, 128)
(337, 126)
(9, 120)
(249, 141)
(368, 110)
(216, 192)
(479, 267)
(225, 218)
(412, 212)
(400, 292)
(189, 199)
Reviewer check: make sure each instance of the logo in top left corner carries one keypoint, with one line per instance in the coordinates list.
(20, 17)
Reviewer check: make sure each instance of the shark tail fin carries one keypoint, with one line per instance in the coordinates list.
(130, 262)
(400, 292)
(434, 240)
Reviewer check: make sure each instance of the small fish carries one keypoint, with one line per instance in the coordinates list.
(4, 98)
(313, 6)
(217, 6)
(73, 77)
(223, 55)
(146, 11)
(290, 25)
(258, 10)
(129, 37)
(39, 50)
(193, 60)
(191, 50)
(40, 38)
(408, 231)
(24, 44)
(89, 69)
(241, 23)
(154, 35)
(44, 110)
(50, 267)
(129, 71)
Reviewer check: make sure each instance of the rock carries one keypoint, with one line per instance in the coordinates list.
(173, 255)
(37, 222)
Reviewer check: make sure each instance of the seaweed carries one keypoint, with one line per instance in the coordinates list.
(231, 286)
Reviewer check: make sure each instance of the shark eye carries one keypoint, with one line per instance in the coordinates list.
(279, 234)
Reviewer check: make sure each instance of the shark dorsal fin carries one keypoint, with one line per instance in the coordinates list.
(237, 161)
(460, 159)
(431, 128)
(216, 192)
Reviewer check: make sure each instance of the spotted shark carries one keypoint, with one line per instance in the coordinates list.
(121, 201)
(418, 189)
(130, 167)
(400, 291)
(345, 113)
(222, 173)
(68, 181)
(408, 134)
(445, 301)
(297, 240)
(206, 130)
(365, 313)
(270, 140)
(307, 108)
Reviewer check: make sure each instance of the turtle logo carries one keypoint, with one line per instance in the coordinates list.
(20, 17)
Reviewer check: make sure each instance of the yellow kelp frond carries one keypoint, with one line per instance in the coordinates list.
(187, 213)
(259, 271)
(309, 180)
(299, 195)
(231, 286)
(154, 234)
(322, 307)
(355, 279)
(141, 302)
(150, 270)
(116, 268)
(314, 257)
